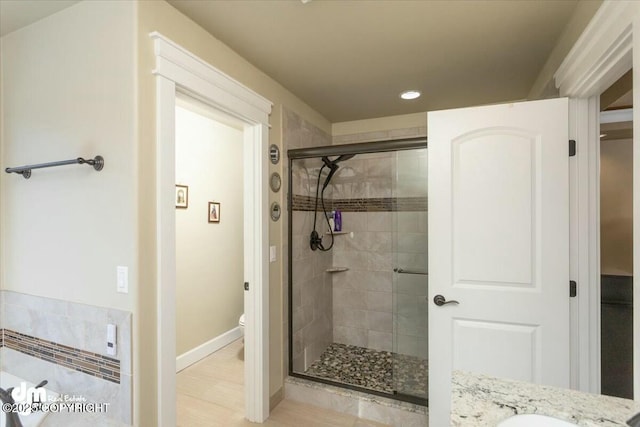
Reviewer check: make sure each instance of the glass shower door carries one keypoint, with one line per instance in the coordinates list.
(410, 278)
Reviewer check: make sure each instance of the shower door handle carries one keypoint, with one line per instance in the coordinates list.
(439, 300)
(403, 271)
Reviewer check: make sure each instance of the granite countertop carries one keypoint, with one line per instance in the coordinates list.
(480, 400)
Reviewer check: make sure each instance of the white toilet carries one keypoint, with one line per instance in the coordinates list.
(241, 324)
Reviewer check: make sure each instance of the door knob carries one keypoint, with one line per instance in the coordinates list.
(439, 300)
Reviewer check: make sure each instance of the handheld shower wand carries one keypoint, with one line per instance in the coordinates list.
(315, 239)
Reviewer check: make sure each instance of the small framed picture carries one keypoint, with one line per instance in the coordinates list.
(214, 212)
(182, 196)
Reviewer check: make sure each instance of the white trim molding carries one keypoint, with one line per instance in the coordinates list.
(584, 210)
(166, 238)
(178, 70)
(203, 350)
(602, 54)
(256, 300)
(178, 64)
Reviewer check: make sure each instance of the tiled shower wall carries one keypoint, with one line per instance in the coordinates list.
(363, 300)
(362, 296)
(411, 305)
(312, 293)
(64, 343)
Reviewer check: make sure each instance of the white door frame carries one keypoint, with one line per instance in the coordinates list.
(179, 70)
(602, 54)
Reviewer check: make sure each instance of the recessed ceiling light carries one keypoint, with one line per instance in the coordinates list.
(410, 94)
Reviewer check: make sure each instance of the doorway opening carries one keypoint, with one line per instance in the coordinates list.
(209, 260)
(179, 71)
(616, 238)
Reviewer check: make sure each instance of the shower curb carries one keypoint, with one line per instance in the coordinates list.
(359, 404)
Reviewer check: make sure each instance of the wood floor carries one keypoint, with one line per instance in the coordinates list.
(211, 393)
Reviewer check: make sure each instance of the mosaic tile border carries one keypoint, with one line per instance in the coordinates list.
(87, 362)
(379, 204)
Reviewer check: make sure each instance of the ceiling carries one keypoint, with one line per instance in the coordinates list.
(15, 14)
(350, 60)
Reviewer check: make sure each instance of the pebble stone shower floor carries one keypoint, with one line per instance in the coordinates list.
(372, 369)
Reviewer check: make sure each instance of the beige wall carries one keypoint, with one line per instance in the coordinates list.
(67, 92)
(616, 207)
(209, 256)
(160, 16)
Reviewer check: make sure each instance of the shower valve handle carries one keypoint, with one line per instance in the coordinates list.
(439, 300)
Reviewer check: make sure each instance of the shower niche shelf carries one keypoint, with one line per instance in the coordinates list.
(341, 233)
(336, 269)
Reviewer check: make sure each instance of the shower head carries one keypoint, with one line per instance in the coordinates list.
(333, 166)
(344, 157)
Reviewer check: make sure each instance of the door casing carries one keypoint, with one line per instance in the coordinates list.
(179, 70)
(602, 54)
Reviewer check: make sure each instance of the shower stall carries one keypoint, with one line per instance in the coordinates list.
(358, 293)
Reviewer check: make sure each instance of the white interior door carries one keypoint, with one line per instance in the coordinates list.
(498, 245)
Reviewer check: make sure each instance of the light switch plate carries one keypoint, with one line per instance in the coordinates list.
(122, 274)
(272, 254)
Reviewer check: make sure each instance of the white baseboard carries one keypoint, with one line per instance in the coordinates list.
(203, 350)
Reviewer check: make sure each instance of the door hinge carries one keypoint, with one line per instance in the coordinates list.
(572, 147)
(573, 288)
(246, 286)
